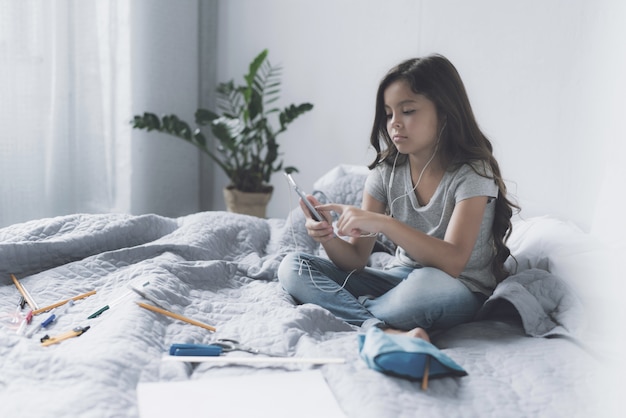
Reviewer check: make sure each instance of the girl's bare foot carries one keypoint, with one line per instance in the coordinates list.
(415, 333)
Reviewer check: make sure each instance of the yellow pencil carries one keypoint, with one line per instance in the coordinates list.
(426, 371)
(63, 302)
(24, 293)
(175, 316)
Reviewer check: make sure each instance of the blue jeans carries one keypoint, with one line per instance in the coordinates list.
(400, 297)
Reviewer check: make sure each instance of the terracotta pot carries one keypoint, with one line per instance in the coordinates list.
(246, 203)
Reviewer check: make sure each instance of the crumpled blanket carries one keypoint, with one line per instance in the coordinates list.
(546, 304)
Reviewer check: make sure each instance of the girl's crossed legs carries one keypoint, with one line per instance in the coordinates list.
(401, 297)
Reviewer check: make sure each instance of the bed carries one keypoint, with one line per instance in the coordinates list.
(527, 354)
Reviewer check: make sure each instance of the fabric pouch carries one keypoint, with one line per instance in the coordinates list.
(406, 357)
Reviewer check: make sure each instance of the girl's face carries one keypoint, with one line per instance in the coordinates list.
(411, 120)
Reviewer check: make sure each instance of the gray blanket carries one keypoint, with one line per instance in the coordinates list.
(219, 268)
(546, 305)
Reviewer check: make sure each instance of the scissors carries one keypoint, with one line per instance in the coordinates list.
(229, 345)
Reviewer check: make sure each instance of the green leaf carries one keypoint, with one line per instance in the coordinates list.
(148, 121)
(255, 107)
(205, 117)
(222, 133)
(290, 113)
(199, 138)
(254, 67)
(152, 120)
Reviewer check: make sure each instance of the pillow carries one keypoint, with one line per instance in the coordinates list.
(538, 242)
(343, 184)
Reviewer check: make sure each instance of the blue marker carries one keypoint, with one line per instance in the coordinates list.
(50, 320)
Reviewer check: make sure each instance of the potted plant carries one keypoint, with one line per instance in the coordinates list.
(246, 146)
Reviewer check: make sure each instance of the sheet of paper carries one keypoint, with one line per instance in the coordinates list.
(289, 394)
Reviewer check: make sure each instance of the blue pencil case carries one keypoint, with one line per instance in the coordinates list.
(406, 357)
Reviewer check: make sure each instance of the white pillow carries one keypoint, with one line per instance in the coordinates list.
(541, 242)
(330, 177)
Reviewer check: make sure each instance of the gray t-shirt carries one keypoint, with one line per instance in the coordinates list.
(433, 218)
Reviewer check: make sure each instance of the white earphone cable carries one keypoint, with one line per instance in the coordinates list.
(419, 179)
(304, 263)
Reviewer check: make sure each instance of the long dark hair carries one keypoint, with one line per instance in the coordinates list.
(462, 141)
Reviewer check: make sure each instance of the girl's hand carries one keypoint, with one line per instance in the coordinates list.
(319, 231)
(353, 221)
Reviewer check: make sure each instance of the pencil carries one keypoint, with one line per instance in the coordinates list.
(175, 316)
(24, 293)
(426, 370)
(63, 302)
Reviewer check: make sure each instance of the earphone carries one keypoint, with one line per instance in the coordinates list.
(304, 263)
(419, 179)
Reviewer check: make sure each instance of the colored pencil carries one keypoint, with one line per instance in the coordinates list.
(175, 316)
(29, 300)
(426, 370)
(63, 302)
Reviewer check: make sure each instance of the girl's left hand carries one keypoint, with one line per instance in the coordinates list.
(353, 221)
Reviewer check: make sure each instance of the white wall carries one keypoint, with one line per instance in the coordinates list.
(163, 172)
(544, 78)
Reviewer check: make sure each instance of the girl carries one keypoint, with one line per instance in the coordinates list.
(436, 191)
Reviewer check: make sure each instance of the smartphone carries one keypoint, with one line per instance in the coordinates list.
(316, 215)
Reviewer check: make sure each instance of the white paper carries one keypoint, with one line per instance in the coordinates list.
(289, 394)
(254, 360)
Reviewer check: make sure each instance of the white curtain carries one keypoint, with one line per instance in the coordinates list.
(63, 106)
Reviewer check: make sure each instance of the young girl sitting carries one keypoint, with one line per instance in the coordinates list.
(436, 191)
